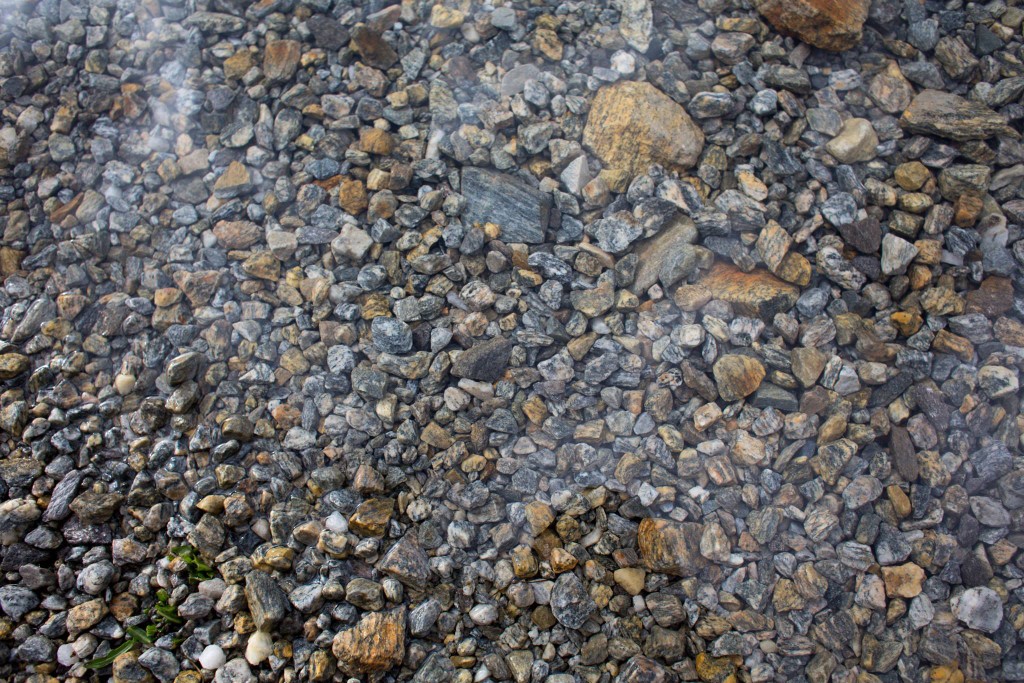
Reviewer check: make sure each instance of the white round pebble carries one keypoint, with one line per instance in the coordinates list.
(212, 657)
(66, 655)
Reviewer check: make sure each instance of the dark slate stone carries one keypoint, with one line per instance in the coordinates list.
(522, 211)
(485, 362)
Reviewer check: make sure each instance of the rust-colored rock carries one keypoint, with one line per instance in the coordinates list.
(376, 643)
(737, 376)
(671, 547)
(757, 293)
(934, 112)
(633, 124)
(834, 25)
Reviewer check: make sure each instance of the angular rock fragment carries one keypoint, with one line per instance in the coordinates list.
(835, 25)
(519, 210)
(632, 125)
(671, 547)
(376, 643)
(934, 112)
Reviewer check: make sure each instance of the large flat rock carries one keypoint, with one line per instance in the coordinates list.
(521, 211)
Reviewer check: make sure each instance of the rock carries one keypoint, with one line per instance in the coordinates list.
(484, 362)
(235, 671)
(855, 143)
(570, 603)
(635, 22)
(212, 658)
(934, 112)
(737, 377)
(518, 209)
(903, 581)
(13, 364)
(671, 547)
(281, 59)
(756, 293)
(268, 604)
(897, 253)
(980, 608)
(828, 24)
(654, 254)
(632, 125)
(376, 643)
(391, 335)
(374, 50)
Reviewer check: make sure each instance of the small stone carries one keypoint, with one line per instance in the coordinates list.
(671, 547)
(897, 253)
(997, 381)
(570, 602)
(484, 362)
(855, 143)
(980, 608)
(736, 376)
(13, 364)
(518, 209)
(903, 581)
(376, 643)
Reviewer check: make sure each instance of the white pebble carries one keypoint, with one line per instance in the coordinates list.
(213, 657)
(337, 523)
(66, 655)
(259, 647)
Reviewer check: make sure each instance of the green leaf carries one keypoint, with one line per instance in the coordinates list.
(139, 635)
(108, 659)
(169, 613)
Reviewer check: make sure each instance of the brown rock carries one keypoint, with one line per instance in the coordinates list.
(234, 181)
(737, 376)
(199, 286)
(903, 581)
(281, 59)
(835, 25)
(372, 48)
(372, 516)
(262, 265)
(992, 298)
(352, 196)
(671, 547)
(632, 125)
(934, 112)
(238, 64)
(376, 643)
(13, 364)
(756, 293)
(237, 234)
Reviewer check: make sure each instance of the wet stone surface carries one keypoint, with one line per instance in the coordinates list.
(627, 342)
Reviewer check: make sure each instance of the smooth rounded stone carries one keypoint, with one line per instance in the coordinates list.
(212, 658)
(259, 647)
(483, 615)
(504, 18)
(391, 335)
